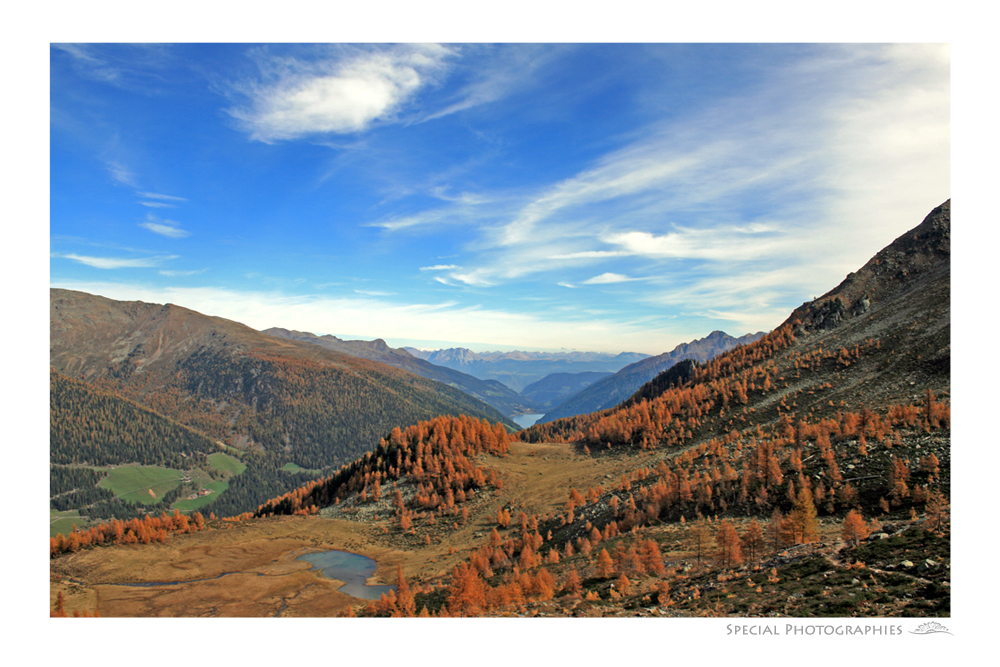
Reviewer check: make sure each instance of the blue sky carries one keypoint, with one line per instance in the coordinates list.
(514, 196)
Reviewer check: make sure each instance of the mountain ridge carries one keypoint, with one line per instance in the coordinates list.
(518, 369)
(496, 394)
(290, 402)
(612, 390)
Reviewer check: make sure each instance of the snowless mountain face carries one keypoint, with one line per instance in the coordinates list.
(519, 369)
(242, 385)
(553, 389)
(497, 395)
(611, 391)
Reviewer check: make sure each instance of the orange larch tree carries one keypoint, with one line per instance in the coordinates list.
(753, 540)
(605, 567)
(854, 529)
(802, 523)
(467, 593)
(727, 541)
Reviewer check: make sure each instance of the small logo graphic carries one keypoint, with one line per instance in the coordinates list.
(930, 628)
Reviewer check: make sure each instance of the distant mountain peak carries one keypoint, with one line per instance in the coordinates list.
(460, 355)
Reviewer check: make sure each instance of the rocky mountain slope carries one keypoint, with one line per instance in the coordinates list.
(902, 297)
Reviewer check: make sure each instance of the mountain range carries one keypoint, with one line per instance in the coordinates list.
(493, 393)
(610, 391)
(518, 369)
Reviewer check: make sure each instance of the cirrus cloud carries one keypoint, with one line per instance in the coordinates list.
(608, 279)
(338, 95)
(168, 230)
(119, 262)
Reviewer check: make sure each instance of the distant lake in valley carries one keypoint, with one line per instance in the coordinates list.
(524, 421)
(352, 569)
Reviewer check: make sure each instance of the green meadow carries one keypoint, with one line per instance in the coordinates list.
(194, 504)
(294, 468)
(226, 463)
(142, 484)
(62, 522)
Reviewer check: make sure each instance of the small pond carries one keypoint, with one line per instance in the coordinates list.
(352, 569)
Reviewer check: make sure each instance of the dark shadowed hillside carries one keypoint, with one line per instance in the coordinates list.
(519, 369)
(613, 390)
(553, 389)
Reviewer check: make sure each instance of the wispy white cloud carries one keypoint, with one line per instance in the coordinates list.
(590, 254)
(157, 204)
(607, 279)
(421, 219)
(88, 61)
(441, 192)
(166, 228)
(164, 272)
(754, 300)
(807, 177)
(506, 71)
(342, 93)
(474, 278)
(121, 173)
(628, 173)
(137, 66)
(118, 262)
(154, 195)
(438, 267)
(79, 51)
(721, 244)
(461, 210)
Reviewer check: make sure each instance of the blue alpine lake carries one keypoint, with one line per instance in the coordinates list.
(352, 569)
(524, 421)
